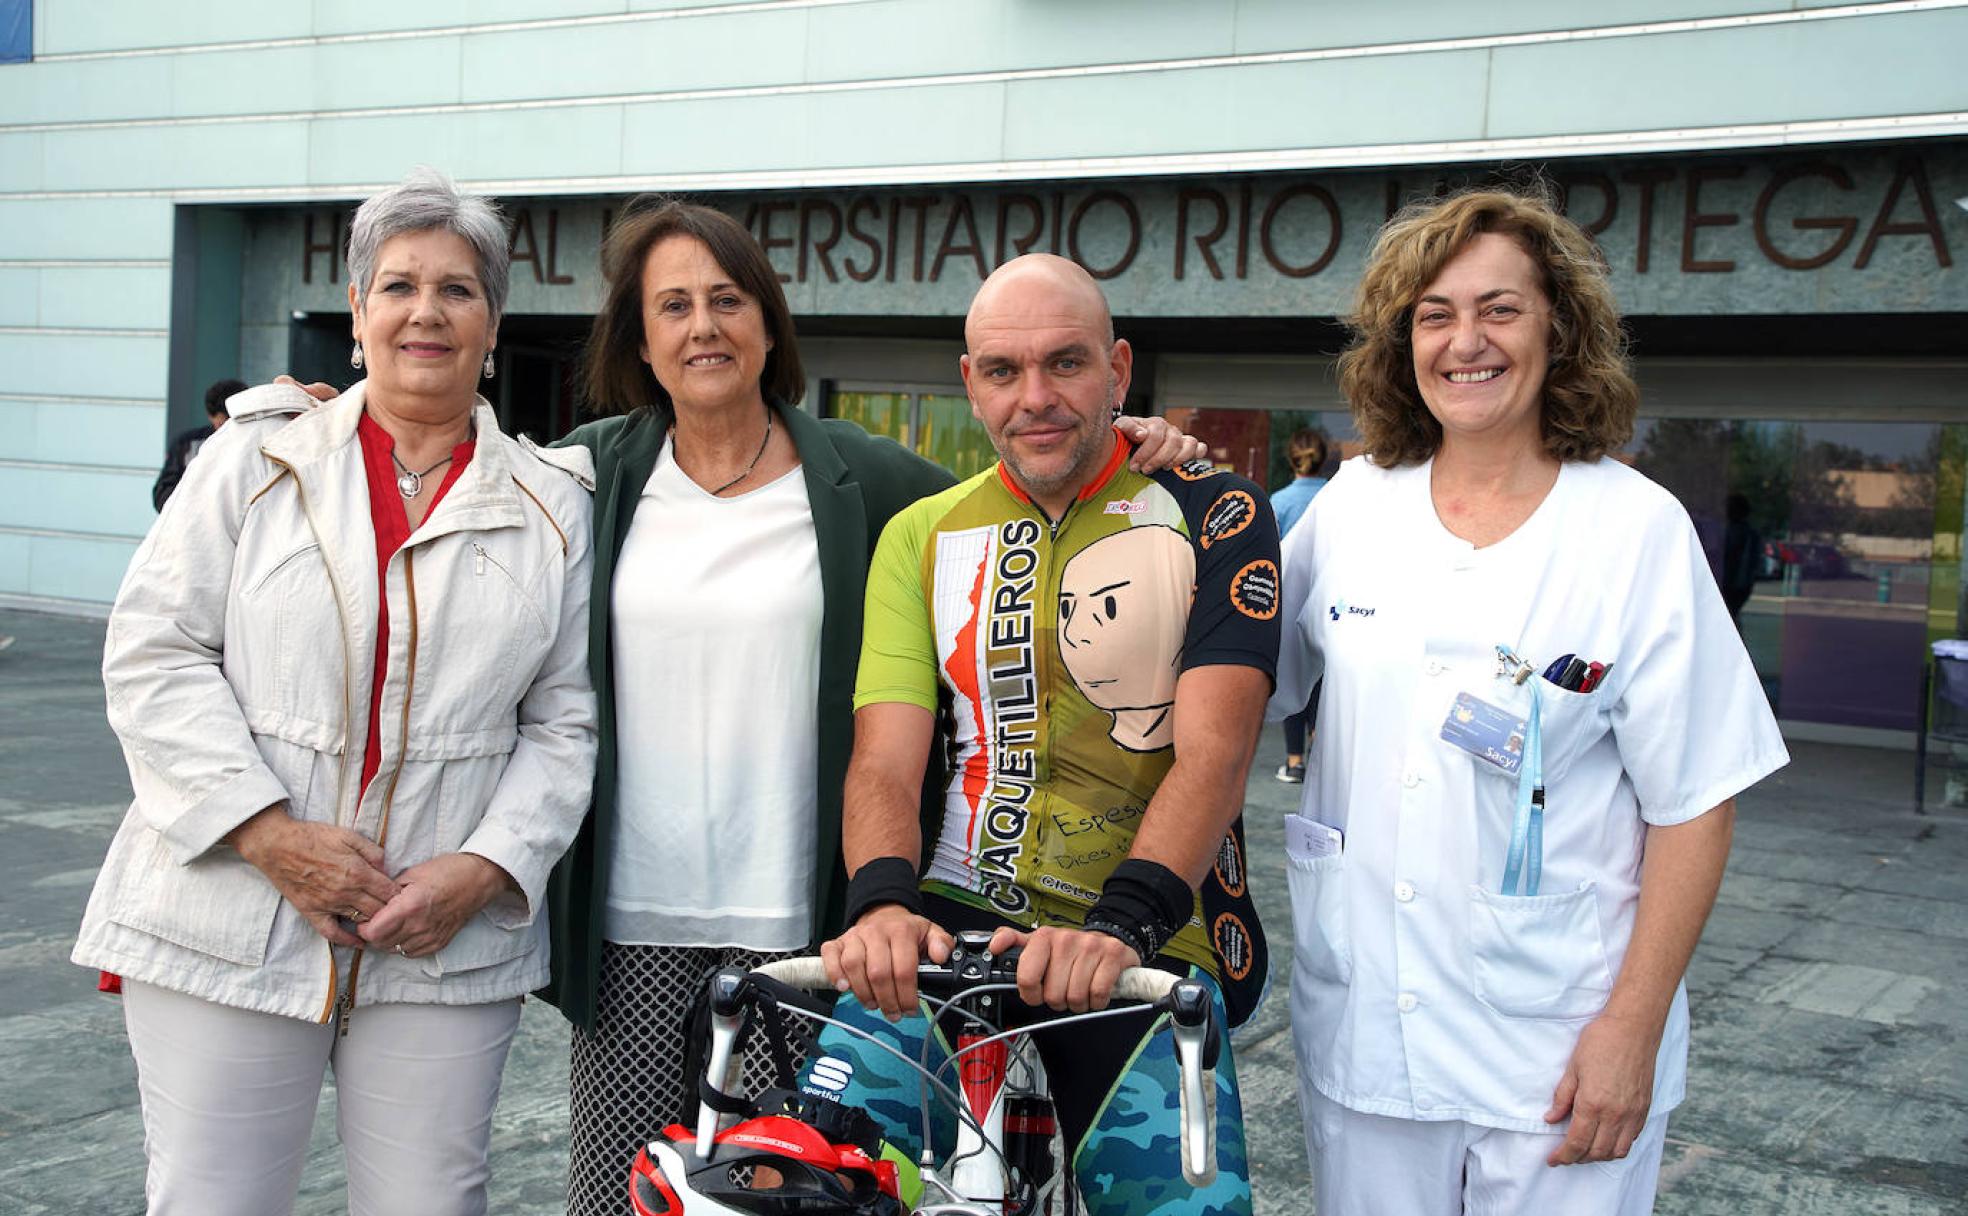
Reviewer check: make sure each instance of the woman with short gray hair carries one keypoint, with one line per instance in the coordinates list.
(348, 667)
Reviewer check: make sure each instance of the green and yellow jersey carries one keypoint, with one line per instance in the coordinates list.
(1056, 646)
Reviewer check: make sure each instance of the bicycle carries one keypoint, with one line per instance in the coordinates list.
(828, 1158)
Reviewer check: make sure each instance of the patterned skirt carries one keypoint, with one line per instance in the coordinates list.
(626, 1077)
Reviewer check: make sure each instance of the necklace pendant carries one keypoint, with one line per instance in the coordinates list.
(409, 484)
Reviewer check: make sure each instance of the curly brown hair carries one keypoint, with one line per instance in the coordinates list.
(1589, 397)
(614, 376)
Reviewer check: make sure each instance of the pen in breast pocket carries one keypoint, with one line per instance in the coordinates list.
(1595, 675)
(1557, 669)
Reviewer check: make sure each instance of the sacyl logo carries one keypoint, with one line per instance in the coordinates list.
(1342, 608)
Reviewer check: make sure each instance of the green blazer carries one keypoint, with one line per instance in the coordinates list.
(854, 481)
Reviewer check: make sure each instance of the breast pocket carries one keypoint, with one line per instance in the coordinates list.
(1322, 941)
(481, 638)
(1570, 725)
(1539, 956)
(287, 608)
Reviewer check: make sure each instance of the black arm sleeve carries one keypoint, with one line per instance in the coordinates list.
(1234, 618)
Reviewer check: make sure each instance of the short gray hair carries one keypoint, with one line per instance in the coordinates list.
(423, 200)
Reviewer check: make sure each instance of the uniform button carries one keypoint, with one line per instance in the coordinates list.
(1410, 778)
(1406, 1002)
(1435, 667)
(1404, 891)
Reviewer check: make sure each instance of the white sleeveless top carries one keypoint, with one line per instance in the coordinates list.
(717, 606)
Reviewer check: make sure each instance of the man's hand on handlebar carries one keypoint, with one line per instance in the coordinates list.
(1066, 969)
(876, 958)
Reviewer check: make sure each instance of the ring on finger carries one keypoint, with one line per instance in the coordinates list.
(401, 951)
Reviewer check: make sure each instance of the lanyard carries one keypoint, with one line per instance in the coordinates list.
(1526, 858)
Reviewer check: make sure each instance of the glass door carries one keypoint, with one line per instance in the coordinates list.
(1831, 547)
(933, 422)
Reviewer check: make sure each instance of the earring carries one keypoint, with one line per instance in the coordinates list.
(491, 369)
(355, 357)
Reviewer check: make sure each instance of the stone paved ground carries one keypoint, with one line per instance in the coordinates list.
(1830, 1074)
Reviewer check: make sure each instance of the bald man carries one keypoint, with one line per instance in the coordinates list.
(1092, 842)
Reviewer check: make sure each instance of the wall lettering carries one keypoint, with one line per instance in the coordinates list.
(1292, 243)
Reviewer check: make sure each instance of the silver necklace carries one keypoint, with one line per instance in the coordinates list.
(748, 468)
(410, 483)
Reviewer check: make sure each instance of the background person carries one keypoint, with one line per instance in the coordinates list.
(187, 443)
(1477, 1012)
(733, 532)
(1306, 451)
(348, 668)
(1742, 556)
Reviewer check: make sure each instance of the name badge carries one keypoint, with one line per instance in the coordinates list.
(1309, 840)
(1488, 732)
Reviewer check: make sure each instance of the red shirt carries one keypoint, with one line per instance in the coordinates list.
(392, 526)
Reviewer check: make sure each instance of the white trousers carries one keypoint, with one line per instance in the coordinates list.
(229, 1098)
(1371, 1165)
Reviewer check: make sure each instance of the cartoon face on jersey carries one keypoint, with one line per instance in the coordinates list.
(1123, 608)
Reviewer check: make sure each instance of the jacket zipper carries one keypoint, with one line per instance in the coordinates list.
(402, 748)
(348, 701)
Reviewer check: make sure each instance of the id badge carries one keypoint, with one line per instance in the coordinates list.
(1487, 731)
(1311, 840)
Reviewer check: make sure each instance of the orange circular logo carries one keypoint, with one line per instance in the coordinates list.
(1227, 516)
(1230, 866)
(1254, 589)
(1233, 946)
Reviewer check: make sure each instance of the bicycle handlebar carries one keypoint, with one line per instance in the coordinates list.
(970, 965)
(1145, 985)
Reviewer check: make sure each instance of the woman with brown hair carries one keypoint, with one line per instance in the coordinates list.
(732, 535)
(1536, 719)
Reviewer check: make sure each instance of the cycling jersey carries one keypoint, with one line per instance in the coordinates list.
(1057, 646)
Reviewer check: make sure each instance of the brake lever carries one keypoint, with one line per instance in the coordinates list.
(1196, 1046)
(727, 997)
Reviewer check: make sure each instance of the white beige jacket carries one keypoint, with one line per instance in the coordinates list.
(238, 670)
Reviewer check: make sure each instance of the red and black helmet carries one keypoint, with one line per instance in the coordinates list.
(803, 1174)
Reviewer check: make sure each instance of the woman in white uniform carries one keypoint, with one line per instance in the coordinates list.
(1535, 720)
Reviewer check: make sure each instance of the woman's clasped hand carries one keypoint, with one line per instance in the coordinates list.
(329, 874)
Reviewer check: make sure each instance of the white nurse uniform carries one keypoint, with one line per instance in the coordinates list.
(1421, 991)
